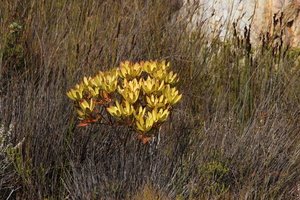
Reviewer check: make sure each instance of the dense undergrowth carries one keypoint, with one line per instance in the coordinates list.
(235, 134)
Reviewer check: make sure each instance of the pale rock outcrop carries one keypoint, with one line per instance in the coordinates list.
(257, 13)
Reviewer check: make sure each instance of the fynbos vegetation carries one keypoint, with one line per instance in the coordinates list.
(233, 134)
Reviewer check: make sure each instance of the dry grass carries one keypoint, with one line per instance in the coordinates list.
(235, 135)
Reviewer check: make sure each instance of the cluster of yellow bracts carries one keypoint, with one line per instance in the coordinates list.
(140, 95)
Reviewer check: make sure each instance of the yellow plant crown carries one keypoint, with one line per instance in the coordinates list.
(139, 95)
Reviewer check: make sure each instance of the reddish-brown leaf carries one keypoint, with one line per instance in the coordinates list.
(82, 124)
(144, 139)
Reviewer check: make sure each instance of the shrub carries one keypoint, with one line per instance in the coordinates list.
(215, 173)
(139, 95)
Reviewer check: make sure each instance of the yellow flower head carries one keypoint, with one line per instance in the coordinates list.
(130, 70)
(119, 110)
(93, 91)
(148, 85)
(159, 116)
(163, 115)
(172, 95)
(151, 85)
(159, 74)
(110, 81)
(86, 81)
(74, 94)
(98, 80)
(149, 66)
(87, 106)
(115, 111)
(156, 102)
(140, 113)
(163, 65)
(171, 78)
(127, 109)
(144, 125)
(130, 90)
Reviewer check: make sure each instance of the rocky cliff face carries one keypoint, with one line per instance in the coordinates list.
(287, 10)
(258, 13)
